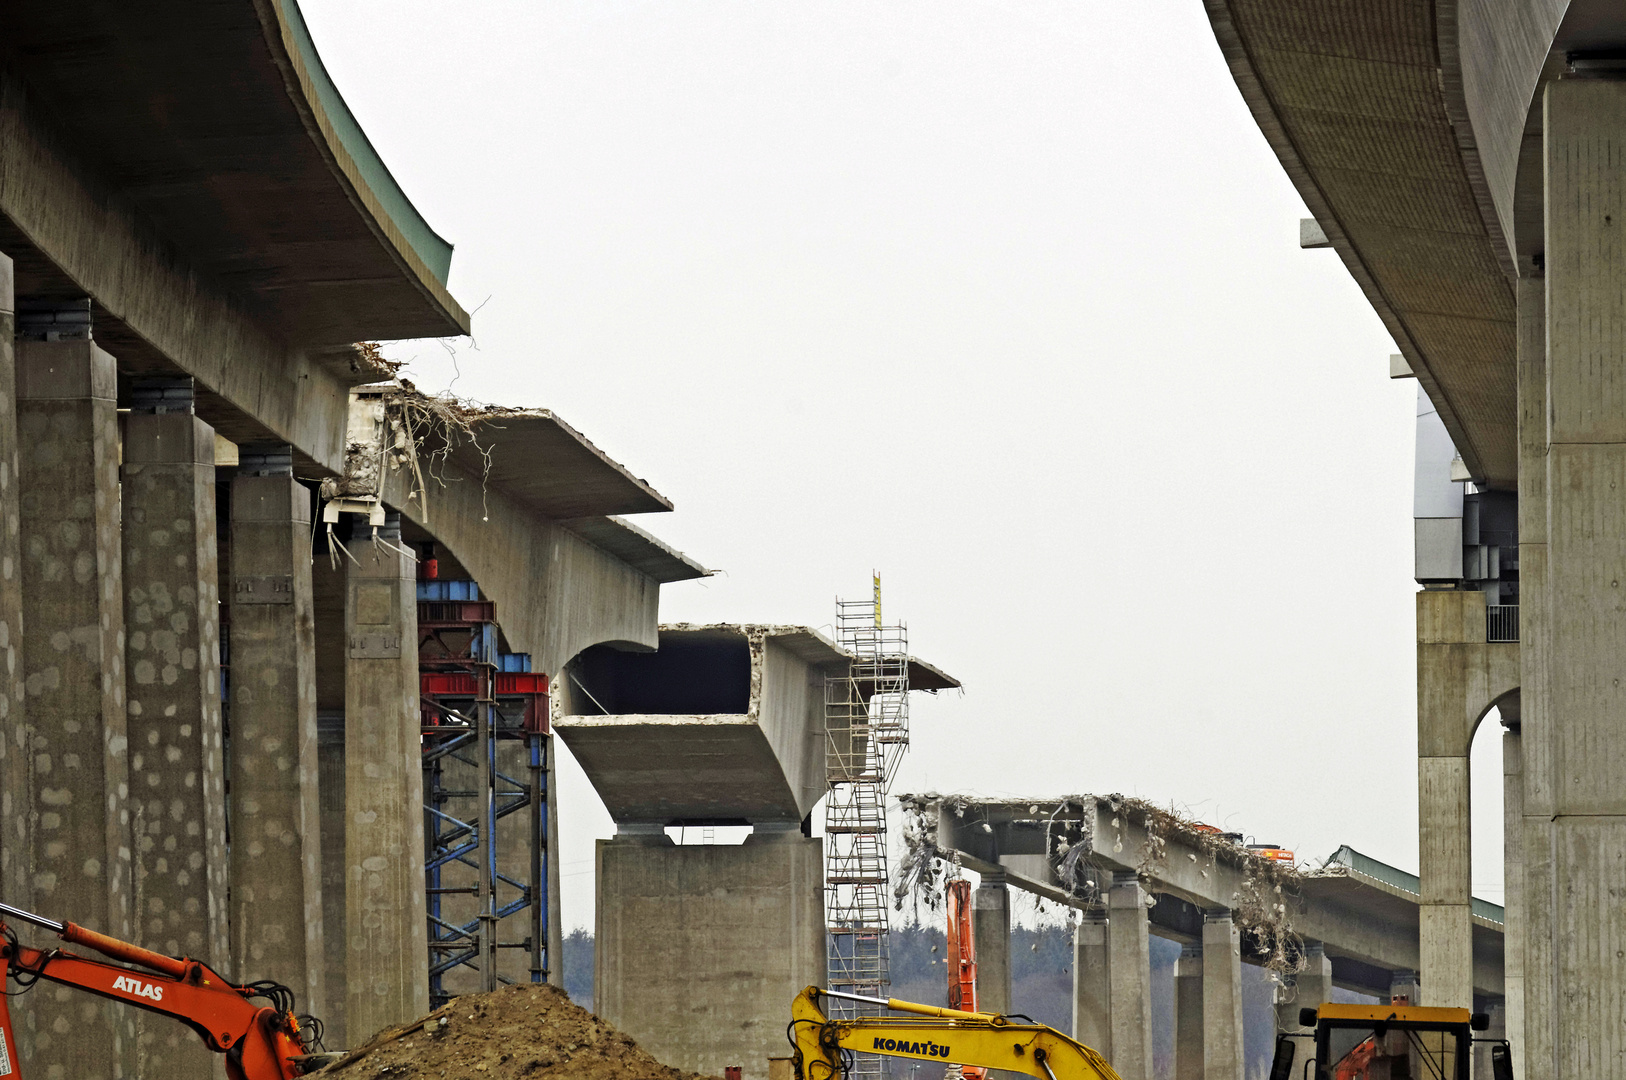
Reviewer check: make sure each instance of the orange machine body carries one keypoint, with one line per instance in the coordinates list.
(961, 960)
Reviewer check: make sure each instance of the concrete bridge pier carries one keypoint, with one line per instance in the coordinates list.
(176, 763)
(71, 822)
(991, 929)
(1092, 983)
(385, 928)
(1188, 1014)
(1308, 990)
(277, 916)
(1131, 961)
(1222, 996)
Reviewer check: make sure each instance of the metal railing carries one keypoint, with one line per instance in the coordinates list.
(1501, 622)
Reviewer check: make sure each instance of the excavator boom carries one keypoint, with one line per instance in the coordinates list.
(259, 1042)
(930, 1033)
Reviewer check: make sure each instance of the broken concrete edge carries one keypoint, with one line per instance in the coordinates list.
(637, 548)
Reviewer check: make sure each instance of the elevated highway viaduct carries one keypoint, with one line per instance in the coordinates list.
(1462, 160)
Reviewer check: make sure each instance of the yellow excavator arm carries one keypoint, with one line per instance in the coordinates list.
(929, 1033)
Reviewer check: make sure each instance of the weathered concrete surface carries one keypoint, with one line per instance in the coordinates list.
(76, 838)
(277, 915)
(330, 759)
(991, 930)
(1188, 1014)
(1130, 947)
(176, 763)
(1223, 1057)
(722, 722)
(385, 928)
(1092, 983)
(1585, 138)
(1513, 901)
(15, 872)
(1308, 989)
(1460, 678)
(699, 949)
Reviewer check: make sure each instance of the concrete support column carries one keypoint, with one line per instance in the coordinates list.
(1407, 986)
(991, 929)
(277, 916)
(177, 772)
(1585, 212)
(1531, 1042)
(76, 838)
(1513, 876)
(1460, 677)
(330, 764)
(1188, 1014)
(1092, 984)
(1310, 989)
(14, 733)
(1131, 978)
(1222, 996)
(386, 933)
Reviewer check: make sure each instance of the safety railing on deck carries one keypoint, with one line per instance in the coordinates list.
(1501, 622)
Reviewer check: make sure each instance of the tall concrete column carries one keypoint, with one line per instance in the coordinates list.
(1092, 984)
(277, 917)
(1130, 947)
(1460, 677)
(1585, 211)
(76, 838)
(14, 813)
(1188, 1014)
(1513, 901)
(177, 771)
(386, 932)
(991, 929)
(1310, 989)
(1222, 996)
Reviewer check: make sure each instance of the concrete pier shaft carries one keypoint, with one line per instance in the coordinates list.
(176, 764)
(1129, 936)
(386, 932)
(1308, 990)
(1188, 1014)
(1222, 996)
(14, 812)
(1092, 983)
(1584, 755)
(991, 929)
(277, 916)
(1513, 901)
(77, 840)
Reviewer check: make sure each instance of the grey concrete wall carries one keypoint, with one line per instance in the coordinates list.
(330, 766)
(1585, 755)
(1130, 949)
(277, 915)
(15, 870)
(1092, 984)
(991, 931)
(176, 763)
(700, 949)
(790, 708)
(1513, 900)
(1223, 1057)
(75, 838)
(1309, 989)
(385, 928)
(1188, 1014)
(1459, 679)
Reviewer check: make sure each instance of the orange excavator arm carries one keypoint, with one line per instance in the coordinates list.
(961, 960)
(260, 1042)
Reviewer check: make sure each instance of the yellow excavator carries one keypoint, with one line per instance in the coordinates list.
(823, 1047)
(1398, 1041)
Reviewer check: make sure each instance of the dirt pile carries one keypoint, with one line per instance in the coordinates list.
(523, 1032)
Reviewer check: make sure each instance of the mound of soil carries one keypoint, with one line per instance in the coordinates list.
(523, 1032)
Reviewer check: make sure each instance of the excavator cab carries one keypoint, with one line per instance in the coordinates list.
(1390, 1042)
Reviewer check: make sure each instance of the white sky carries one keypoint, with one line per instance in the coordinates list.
(1002, 299)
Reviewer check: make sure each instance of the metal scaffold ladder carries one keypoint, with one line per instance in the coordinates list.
(866, 710)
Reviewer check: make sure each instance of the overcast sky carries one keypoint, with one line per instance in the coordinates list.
(1003, 300)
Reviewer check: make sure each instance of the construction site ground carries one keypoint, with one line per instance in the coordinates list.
(526, 1031)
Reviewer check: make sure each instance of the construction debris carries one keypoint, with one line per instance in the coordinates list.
(523, 1032)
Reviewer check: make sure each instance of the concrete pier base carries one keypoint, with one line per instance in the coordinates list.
(1222, 997)
(1130, 945)
(699, 949)
(385, 929)
(277, 915)
(177, 771)
(1092, 984)
(991, 928)
(73, 807)
(1188, 1014)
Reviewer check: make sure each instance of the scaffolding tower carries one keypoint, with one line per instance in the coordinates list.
(485, 747)
(866, 710)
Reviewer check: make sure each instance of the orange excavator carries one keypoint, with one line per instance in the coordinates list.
(962, 959)
(260, 1041)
